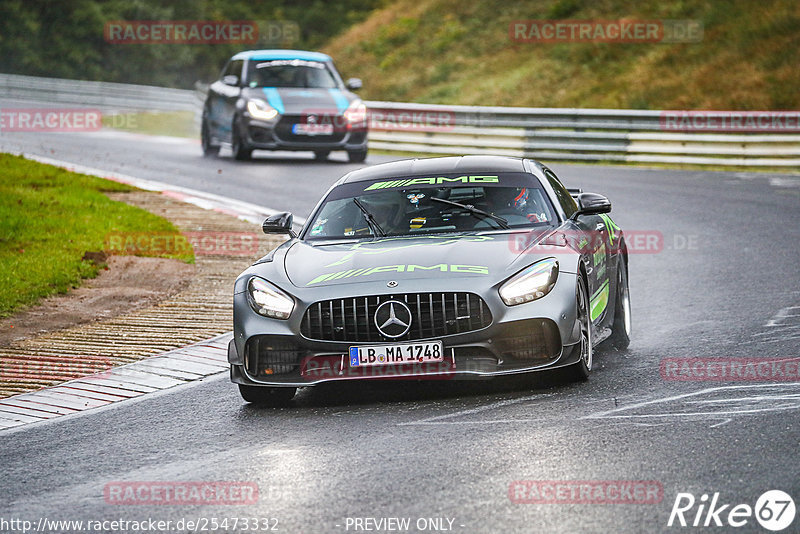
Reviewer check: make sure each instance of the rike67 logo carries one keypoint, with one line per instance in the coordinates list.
(774, 510)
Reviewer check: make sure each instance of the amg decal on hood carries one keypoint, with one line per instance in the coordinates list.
(379, 247)
(442, 267)
(434, 181)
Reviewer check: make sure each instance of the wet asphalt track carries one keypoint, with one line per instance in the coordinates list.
(730, 266)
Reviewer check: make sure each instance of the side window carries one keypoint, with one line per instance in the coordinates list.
(568, 203)
(234, 68)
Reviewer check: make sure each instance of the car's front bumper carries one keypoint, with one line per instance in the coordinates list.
(278, 135)
(530, 337)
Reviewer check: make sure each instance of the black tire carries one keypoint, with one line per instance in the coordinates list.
(620, 336)
(239, 147)
(209, 150)
(356, 156)
(580, 370)
(321, 155)
(267, 396)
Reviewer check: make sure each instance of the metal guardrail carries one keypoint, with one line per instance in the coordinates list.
(571, 135)
(541, 133)
(105, 96)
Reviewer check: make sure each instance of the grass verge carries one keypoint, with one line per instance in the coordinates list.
(49, 218)
(169, 123)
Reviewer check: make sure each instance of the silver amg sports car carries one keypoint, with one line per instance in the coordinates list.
(440, 268)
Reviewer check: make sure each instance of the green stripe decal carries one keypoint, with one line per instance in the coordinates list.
(599, 301)
(611, 226)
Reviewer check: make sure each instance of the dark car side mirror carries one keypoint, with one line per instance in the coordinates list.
(280, 223)
(353, 84)
(230, 79)
(592, 204)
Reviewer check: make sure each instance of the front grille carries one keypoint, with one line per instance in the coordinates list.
(271, 355)
(433, 315)
(283, 130)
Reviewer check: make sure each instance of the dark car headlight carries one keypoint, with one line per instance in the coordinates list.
(267, 300)
(531, 283)
(260, 110)
(356, 113)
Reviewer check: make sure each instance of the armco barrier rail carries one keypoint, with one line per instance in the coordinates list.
(571, 134)
(108, 97)
(542, 133)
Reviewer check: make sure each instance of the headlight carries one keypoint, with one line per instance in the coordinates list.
(531, 283)
(268, 300)
(356, 113)
(260, 110)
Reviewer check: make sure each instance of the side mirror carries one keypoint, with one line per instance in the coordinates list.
(592, 204)
(354, 84)
(280, 223)
(230, 79)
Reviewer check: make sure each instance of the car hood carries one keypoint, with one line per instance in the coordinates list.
(402, 258)
(300, 101)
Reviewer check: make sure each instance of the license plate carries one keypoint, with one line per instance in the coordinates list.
(312, 129)
(395, 354)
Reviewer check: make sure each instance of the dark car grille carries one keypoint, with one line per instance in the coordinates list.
(272, 355)
(283, 130)
(432, 315)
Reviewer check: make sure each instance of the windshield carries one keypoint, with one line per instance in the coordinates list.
(290, 73)
(430, 205)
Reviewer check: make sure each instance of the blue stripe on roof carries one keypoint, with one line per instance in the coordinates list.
(282, 54)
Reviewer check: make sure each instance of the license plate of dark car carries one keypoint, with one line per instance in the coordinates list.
(395, 354)
(312, 129)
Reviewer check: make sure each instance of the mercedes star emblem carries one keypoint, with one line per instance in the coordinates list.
(393, 319)
(391, 283)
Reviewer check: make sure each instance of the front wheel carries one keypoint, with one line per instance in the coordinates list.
(239, 147)
(356, 156)
(266, 396)
(580, 370)
(321, 155)
(209, 150)
(620, 336)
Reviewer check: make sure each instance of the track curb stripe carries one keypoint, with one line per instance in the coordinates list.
(159, 372)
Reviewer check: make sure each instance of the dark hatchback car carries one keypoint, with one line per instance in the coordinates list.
(284, 100)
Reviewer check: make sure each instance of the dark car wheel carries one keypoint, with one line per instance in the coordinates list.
(209, 150)
(620, 336)
(239, 147)
(580, 370)
(356, 156)
(321, 155)
(266, 396)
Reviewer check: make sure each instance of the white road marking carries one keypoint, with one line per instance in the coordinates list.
(440, 419)
(766, 398)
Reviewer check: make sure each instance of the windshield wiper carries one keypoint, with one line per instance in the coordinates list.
(373, 224)
(475, 211)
